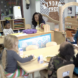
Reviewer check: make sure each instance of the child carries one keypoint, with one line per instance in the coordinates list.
(10, 58)
(76, 61)
(8, 29)
(66, 53)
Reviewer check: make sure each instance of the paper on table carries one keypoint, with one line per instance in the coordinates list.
(19, 34)
(45, 64)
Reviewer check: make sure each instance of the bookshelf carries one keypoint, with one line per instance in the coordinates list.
(71, 26)
(16, 24)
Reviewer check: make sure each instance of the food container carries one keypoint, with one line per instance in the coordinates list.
(20, 51)
(40, 59)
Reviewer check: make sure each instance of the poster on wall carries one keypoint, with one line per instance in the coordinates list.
(50, 8)
(69, 10)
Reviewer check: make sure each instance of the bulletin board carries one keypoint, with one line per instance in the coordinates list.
(6, 8)
(50, 8)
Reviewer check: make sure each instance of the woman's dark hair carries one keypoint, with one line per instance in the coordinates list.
(40, 19)
(67, 52)
(6, 22)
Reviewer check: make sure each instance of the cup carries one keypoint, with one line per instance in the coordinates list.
(40, 59)
(20, 51)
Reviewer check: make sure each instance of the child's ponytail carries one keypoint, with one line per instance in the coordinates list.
(4, 54)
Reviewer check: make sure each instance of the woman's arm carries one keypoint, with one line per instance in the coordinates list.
(22, 60)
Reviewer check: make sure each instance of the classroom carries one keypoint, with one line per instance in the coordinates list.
(38, 38)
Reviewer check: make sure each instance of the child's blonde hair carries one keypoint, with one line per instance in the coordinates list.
(9, 43)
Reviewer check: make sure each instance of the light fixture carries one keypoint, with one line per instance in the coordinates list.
(27, 4)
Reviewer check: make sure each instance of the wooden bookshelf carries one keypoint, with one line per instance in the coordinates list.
(16, 24)
(71, 26)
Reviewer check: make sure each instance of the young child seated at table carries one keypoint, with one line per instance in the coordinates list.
(10, 58)
(7, 30)
(66, 53)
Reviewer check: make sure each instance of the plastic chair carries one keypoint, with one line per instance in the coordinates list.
(3, 75)
(66, 70)
(51, 44)
(31, 47)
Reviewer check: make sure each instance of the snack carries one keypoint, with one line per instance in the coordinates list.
(48, 58)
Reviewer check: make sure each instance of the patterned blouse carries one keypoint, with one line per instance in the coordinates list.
(55, 63)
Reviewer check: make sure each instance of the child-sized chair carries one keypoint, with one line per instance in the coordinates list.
(3, 75)
(31, 47)
(51, 44)
(65, 71)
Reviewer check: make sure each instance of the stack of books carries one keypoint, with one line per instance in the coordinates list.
(18, 24)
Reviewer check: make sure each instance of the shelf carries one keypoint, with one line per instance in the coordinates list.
(70, 28)
(71, 24)
(19, 29)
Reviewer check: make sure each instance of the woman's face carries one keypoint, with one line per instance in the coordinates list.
(36, 17)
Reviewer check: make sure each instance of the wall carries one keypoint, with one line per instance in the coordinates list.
(27, 13)
(32, 6)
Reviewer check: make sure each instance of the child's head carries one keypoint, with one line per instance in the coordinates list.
(10, 42)
(7, 24)
(37, 17)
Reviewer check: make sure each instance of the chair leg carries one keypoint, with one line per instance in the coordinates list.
(32, 75)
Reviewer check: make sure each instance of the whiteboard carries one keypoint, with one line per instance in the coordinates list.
(17, 12)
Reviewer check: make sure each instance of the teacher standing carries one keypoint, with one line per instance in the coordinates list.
(37, 21)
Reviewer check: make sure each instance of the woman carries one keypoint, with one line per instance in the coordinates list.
(37, 21)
